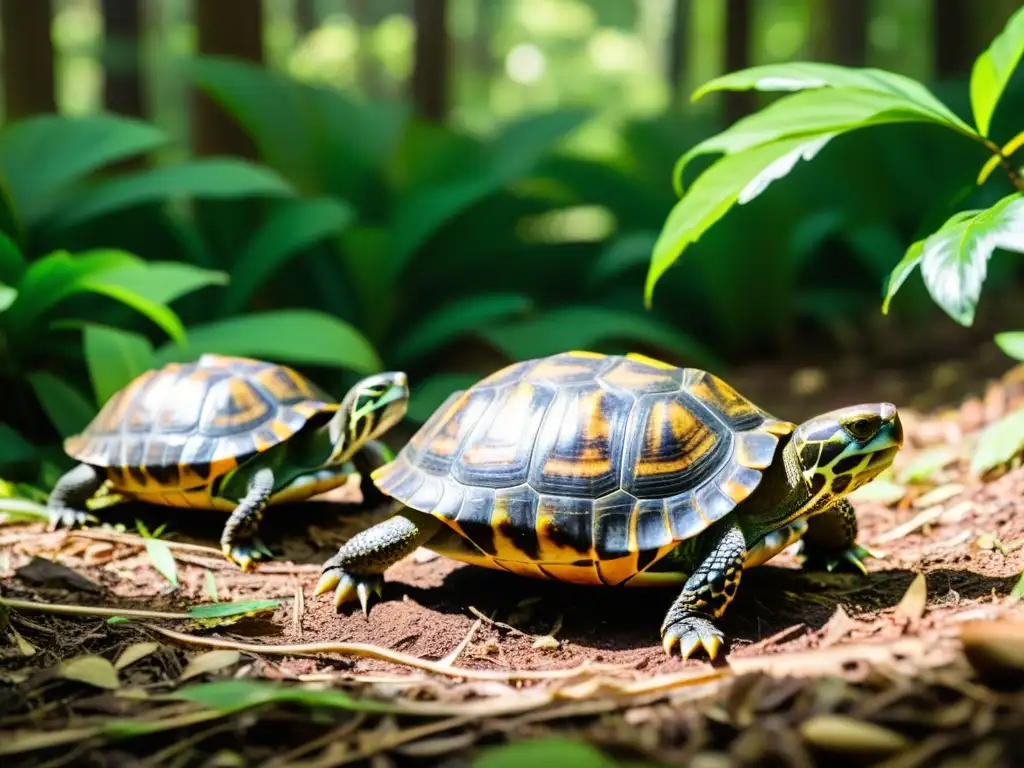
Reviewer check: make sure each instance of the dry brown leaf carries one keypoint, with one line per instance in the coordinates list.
(938, 495)
(914, 601)
(839, 733)
(92, 670)
(994, 648)
(133, 653)
(211, 661)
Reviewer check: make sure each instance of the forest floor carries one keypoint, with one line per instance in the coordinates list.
(920, 662)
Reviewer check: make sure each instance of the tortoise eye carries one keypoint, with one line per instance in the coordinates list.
(861, 429)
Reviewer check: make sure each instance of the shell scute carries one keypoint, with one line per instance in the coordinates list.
(441, 447)
(728, 404)
(640, 377)
(565, 528)
(612, 522)
(514, 520)
(568, 368)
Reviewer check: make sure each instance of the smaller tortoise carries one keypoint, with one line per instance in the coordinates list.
(232, 434)
(611, 470)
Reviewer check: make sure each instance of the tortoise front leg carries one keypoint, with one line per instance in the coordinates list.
(706, 595)
(357, 568)
(238, 539)
(831, 539)
(67, 501)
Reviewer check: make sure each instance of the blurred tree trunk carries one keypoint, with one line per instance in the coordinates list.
(840, 31)
(429, 82)
(951, 37)
(678, 49)
(369, 77)
(737, 56)
(224, 28)
(27, 59)
(122, 43)
(305, 16)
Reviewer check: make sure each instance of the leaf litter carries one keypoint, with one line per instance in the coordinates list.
(919, 663)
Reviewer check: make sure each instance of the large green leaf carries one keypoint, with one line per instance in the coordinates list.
(114, 357)
(808, 114)
(999, 442)
(993, 68)
(68, 409)
(12, 261)
(293, 226)
(954, 260)
(207, 178)
(454, 320)
(805, 75)
(40, 156)
(288, 335)
(1012, 343)
(14, 449)
(733, 179)
(582, 327)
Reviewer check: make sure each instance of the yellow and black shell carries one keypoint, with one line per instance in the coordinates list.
(170, 432)
(584, 467)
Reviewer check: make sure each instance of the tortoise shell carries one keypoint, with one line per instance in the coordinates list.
(186, 424)
(584, 467)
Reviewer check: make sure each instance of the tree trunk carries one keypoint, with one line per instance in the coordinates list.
(27, 58)
(678, 49)
(430, 60)
(231, 28)
(840, 31)
(951, 38)
(122, 75)
(737, 56)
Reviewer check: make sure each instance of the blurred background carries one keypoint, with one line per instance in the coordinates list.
(445, 186)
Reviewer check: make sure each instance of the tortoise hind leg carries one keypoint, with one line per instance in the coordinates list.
(68, 498)
(238, 539)
(358, 567)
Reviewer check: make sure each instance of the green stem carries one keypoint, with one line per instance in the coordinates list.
(1004, 162)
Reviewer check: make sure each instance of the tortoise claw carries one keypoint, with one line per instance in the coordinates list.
(691, 634)
(242, 554)
(67, 517)
(853, 556)
(348, 587)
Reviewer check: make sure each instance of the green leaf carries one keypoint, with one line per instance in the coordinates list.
(220, 610)
(162, 559)
(809, 114)
(901, 272)
(288, 335)
(427, 396)
(205, 178)
(583, 327)
(551, 751)
(1012, 343)
(8, 296)
(14, 510)
(954, 260)
(1000, 442)
(68, 409)
(454, 320)
(236, 695)
(993, 68)
(292, 227)
(805, 75)
(12, 261)
(733, 179)
(41, 156)
(15, 449)
(114, 358)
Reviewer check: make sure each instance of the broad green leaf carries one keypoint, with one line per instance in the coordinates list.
(296, 336)
(114, 358)
(8, 296)
(954, 260)
(999, 442)
(293, 227)
(901, 272)
(68, 409)
(12, 261)
(582, 327)
(426, 396)
(733, 179)
(993, 68)
(16, 510)
(454, 320)
(220, 610)
(205, 178)
(1012, 343)
(14, 449)
(41, 156)
(808, 114)
(805, 75)
(163, 282)
(551, 751)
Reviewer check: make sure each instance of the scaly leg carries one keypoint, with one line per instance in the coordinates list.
(357, 569)
(69, 496)
(368, 458)
(237, 541)
(705, 596)
(831, 539)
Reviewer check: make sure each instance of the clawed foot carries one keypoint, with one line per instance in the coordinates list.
(691, 633)
(349, 586)
(244, 553)
(849, 558)
(66, 517)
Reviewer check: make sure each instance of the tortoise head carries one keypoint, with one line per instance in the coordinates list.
(842, 450)
(371, 408)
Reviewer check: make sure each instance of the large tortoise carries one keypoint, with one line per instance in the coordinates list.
(612, 470)
(228, 433)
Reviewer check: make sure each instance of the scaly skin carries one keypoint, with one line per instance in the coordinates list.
(67, 502)
(237, 541)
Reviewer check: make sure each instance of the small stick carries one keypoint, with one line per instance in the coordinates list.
(131, 538)
(89, 610)
(495, 623)
(451, 657)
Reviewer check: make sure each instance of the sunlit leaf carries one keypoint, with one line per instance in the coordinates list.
(135, 652)
(999, 442)
(454, 320)
(288, 335)
(547, 751)
(8, 296)
(993, 68)
(1012, 343)
(882, 491)
(14, 510)
(293, 227)
(14, 449)
(162, 559)
(221, 610)
(210, 582)
(911, 259)
(68, 409)
(732, 179)
(114, 358)
(92, 670)
(211, 661)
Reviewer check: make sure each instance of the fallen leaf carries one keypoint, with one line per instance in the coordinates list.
(840, 733)
(999, 443)
(43, 572)
(881, 491)
(224, 614)
(92, 670)
(211, 661)
(547, 642)
(163, 560)
(914, 600)
(995, 648)
(938, 495)
(927, 464)
(211, 585)
(134, 652)
(25, 648)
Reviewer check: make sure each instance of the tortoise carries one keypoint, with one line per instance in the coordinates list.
(232, 434)
(622, 470)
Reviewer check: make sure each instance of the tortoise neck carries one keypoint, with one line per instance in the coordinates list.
(781, 496)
